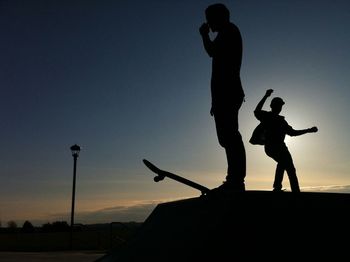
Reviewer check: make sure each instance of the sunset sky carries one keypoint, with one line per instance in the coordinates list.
(128, 80)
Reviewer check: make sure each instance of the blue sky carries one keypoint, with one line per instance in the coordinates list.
(128, 80)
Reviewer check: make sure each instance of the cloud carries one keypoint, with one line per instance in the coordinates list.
(331, 189)
(122, 213)
(137, 213)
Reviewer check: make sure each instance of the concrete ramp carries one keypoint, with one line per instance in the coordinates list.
(243, 226)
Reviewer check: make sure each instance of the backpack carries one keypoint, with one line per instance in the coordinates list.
(259, 135)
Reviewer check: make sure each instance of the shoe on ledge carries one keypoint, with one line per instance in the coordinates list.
(278, 190)
(229, 187)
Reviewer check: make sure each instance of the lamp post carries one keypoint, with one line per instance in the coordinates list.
(75, 153)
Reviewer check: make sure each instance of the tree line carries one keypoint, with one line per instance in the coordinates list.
(28, 227)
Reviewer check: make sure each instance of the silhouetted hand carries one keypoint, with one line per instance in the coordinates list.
(269, 92)
(211, 111)
(204, 29)
(313, 129)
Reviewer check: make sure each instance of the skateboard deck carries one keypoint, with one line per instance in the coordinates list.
(161, 174)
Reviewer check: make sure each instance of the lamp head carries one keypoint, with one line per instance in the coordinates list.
(75, 150)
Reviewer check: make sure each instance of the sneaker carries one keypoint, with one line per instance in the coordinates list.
(230, 187)
(278, 190)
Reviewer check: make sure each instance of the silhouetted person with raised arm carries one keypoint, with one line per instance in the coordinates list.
(226, 90)
(276, 128)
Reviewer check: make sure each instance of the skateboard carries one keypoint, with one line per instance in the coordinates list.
(161, 174)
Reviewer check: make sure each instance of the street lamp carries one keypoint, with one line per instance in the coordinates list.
(75, 153)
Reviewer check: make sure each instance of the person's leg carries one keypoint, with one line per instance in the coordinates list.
(226, 121)
(284, 162)
(291, 172)
(276, 153)
(236, 161)
(277, 183)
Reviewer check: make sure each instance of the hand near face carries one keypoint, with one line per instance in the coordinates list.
(204, 29)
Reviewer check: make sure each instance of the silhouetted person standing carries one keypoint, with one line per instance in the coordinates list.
(276, 128)
(226, 90)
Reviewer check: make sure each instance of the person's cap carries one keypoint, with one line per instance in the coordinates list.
(277, 101)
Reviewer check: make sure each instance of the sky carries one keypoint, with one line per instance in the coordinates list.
(128, 80)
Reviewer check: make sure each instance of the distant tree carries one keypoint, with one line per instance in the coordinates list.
(12, 224)
(47, 227)
(27, 227)
(58, 226)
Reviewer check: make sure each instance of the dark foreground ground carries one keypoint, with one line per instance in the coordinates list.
(249, 226)
(96, 237)
(74, 256)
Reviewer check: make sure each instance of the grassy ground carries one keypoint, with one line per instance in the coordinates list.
(90, 237)
(66, 256)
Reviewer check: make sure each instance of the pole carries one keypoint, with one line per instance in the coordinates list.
(75, 156)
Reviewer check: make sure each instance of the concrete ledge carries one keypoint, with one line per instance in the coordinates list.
(243, 226)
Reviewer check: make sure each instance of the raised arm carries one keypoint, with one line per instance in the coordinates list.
(262, 102)
(208, 44)
(293, 132)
